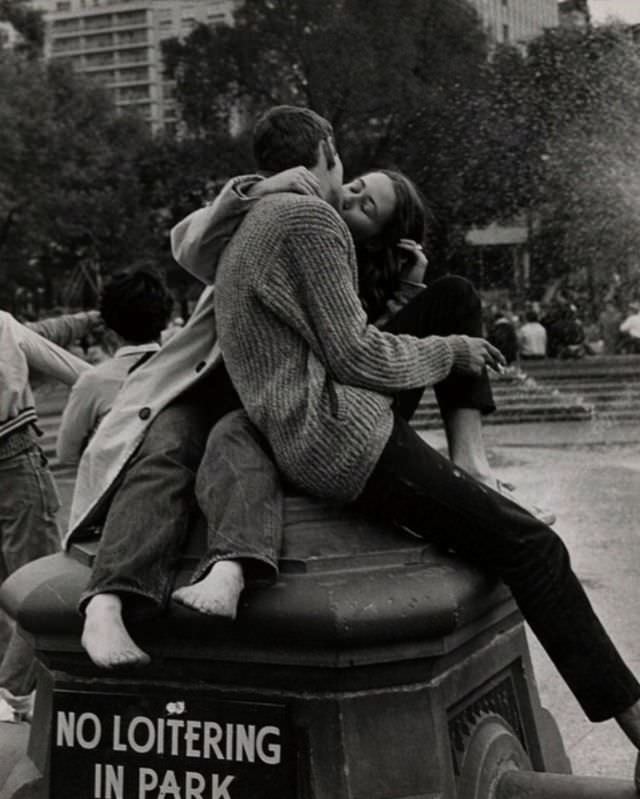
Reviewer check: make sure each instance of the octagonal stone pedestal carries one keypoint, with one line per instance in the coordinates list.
(376, 668)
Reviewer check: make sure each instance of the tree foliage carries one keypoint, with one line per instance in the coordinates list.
(69, 189)
(367, 65)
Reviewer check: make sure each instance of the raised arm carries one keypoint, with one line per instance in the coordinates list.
(197, 242)
(42, 355)
(64, 330)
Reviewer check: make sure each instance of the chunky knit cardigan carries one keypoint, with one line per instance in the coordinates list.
(313, 376)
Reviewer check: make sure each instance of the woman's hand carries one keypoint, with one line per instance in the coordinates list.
(298, 180)
(483, 354)
(414, 261)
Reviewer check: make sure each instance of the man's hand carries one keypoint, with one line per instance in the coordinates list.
(483, 355)
(298, 179)
(414, 261)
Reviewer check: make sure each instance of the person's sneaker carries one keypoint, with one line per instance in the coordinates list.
(543, 515)
(6, 711)
(15, 708)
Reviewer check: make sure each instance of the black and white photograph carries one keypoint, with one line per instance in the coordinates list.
(319, 399)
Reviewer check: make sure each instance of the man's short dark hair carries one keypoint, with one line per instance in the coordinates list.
(287, 135)
(136, 304)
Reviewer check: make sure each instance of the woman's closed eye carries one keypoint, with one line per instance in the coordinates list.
(356, 186)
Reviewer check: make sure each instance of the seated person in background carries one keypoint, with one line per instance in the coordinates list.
(532, 337)
(630, 330)
(609, 320)
(136, 306)
(502, 334)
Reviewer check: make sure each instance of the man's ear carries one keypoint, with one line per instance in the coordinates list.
(329, 153)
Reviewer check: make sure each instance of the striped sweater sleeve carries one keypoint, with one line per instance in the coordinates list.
(320, 262)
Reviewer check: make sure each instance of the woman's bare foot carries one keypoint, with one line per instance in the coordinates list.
(104, 636)
(218, 593)
(629, 721)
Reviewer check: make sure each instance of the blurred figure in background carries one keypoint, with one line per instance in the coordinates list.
(532, 337)
(609, 322)
(630, 330)
(502, 334)
(135, 307)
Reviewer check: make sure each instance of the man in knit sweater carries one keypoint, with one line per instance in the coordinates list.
(313, 375)
(318, 382)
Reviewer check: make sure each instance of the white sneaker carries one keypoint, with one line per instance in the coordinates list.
(7, 713)
(15, 708)
(543, 515)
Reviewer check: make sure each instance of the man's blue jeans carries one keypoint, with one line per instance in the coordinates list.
(154, 506)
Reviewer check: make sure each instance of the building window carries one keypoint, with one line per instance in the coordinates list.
(99, 40)
(96, 23)
(131, 18)
(135, 75)
(66, 25)
(133, 56)
(132, 37)
(63, 5)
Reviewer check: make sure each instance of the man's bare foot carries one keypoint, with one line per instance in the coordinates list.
(218, 593)
(104, 636)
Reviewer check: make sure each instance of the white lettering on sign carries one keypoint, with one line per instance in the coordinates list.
(194, 786)
(85, 730)
(269, 752)
(108, 781)
(180, 738)
(239, 743)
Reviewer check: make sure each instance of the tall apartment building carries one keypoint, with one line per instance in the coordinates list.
(117, 43)
(516, 21)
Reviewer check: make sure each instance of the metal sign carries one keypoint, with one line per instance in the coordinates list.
(180, 746)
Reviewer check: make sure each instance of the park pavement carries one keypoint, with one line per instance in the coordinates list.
(588, 472)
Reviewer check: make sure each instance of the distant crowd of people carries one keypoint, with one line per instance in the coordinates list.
(557, 330)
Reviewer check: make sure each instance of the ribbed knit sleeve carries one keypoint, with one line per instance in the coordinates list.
(320, 261)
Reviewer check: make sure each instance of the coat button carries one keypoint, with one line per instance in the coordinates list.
(201, 366)
(144, 413)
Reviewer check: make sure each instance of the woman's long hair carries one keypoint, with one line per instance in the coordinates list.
(380, 259)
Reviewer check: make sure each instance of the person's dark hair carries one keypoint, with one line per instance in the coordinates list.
(137, 305)
(531, 315)
(380, 260)
(287, 135)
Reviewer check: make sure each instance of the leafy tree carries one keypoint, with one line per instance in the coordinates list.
(70, 194)
(391, 77)
(367, 65)
(585, 100)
